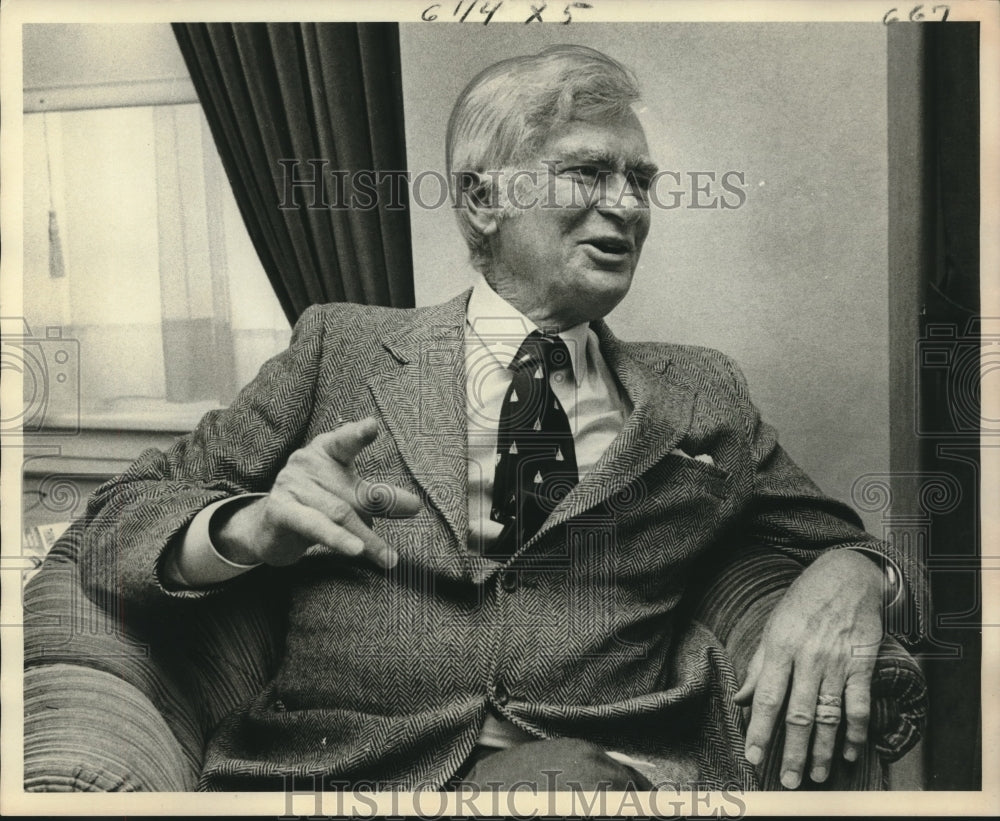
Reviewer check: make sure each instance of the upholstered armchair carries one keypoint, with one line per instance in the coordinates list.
(111, 705)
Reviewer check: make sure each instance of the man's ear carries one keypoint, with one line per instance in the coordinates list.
(479, 202)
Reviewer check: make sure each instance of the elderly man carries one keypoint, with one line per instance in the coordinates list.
(485, 513)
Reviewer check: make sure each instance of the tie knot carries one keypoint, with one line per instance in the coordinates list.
(541, 350)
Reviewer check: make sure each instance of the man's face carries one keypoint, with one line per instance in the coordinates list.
(570, 256)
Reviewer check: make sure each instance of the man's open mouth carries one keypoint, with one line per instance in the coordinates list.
(610, 245)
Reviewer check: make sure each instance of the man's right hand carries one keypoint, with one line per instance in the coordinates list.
(317, 499)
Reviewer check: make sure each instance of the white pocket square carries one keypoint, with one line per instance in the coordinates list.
(701, 457)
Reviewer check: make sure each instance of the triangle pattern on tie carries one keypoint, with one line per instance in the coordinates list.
(536, 458)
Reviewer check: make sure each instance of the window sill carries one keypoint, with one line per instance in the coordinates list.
(91, 452)
(147, 416)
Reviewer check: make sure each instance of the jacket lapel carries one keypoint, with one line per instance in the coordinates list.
(421, 394)
(661, 416)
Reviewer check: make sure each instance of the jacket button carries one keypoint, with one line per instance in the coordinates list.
(500, 694)
(509, 581)
(279, 706)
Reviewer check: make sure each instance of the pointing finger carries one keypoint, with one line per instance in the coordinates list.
(346, 442)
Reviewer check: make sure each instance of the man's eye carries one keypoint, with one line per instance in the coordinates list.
(640, 182)
(583, 172)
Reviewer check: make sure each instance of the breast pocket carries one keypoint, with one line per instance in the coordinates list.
(686, 471)
(673, 512)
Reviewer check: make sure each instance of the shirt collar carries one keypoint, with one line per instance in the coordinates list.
(497, 323)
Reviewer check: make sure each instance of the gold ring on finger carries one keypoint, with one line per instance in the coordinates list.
(827, 715)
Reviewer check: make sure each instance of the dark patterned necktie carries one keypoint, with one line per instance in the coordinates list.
(535, 459)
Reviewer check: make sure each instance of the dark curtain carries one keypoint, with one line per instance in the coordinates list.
(950, 398)
(297, 101)
(935, 338)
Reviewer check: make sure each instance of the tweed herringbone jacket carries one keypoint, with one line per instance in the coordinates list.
(387, 674)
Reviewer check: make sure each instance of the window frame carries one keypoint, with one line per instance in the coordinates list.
(102, 448)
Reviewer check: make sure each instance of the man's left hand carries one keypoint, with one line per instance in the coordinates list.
(820, 643)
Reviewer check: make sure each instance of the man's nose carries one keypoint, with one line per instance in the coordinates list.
(618, 197)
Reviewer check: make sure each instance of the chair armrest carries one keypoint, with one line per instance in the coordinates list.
(65, 630)
(738, 600)
(195, 665)
(899, 701)
(86, 730)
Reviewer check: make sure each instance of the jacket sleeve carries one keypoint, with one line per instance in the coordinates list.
(787, 511)
(131, 519)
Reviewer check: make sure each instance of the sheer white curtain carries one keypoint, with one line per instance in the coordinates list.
(134, 249)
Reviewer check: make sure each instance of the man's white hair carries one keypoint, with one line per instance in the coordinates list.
(507, 112)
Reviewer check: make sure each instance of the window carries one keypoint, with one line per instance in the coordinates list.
(138, 271)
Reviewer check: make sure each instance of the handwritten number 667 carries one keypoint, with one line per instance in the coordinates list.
(937, 14)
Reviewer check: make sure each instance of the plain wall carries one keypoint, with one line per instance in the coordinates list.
(793, 284)
(58, 55)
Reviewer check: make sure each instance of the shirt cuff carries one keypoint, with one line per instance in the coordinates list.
(196, 562)
(893, 576)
